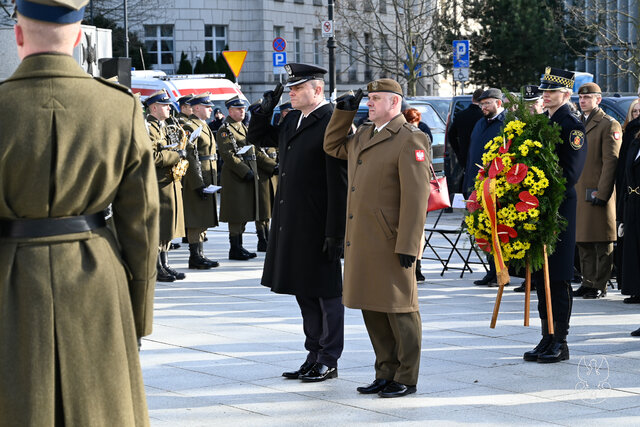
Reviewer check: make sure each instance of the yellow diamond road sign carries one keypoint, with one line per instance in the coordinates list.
(235, 59)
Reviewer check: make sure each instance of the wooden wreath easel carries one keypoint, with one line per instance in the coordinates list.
(527, 293)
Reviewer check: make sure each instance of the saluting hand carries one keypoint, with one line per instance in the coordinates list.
(271, 98)
(406, 260)
(348, 102)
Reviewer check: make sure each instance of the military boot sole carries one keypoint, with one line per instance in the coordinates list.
(195, 265)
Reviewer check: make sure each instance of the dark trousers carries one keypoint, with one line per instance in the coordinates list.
(561, 299)
(396, 340)
(323, 324)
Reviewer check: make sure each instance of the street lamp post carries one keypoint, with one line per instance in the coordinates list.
(126, 31)
(331, 45)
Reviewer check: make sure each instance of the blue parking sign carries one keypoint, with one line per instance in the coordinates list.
(461, 54)
(279, 59)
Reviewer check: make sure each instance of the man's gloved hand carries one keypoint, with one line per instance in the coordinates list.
(598, 202)
(201, 193)
(271, 98)
(621, 230)
(249, 176)
(348, 102)
(332, 248)
(276, 170)
(182, 153)
(406, 260)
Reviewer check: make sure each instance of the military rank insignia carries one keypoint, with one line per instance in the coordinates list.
(224, 134)
(576, 139)
(420, 156)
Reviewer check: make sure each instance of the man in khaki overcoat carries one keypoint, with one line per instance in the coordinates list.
(73, 297)
(596, 219)
(170, 189)
(386, 208)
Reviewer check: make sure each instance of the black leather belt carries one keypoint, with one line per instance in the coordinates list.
(46, 227)
(212, 157)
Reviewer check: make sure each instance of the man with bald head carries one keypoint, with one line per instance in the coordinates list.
(388, 164)
(76, 296)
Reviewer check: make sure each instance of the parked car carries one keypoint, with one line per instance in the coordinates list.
(440, 103)
(616, 106)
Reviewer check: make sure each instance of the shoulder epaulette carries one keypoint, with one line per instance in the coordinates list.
(114, 85)
(411, 127)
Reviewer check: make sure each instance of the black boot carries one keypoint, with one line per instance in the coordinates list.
(558, 349)
(419, 276)
(163, 275)
(195, 260)
(213, 263)
(532, 356)
(164, 261)
(235, 249)
(246, 252)
(262, 240)
(489, 278)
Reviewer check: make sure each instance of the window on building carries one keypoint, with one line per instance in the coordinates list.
(368, 5)
(383, 6)
(384, 54)
(298, 1)
(278, 31)
(297, 44)
(368, 72)
(318, 3)
(158, 40)
(317, 47)
(215, 39)
(353, 66)
(338, 57)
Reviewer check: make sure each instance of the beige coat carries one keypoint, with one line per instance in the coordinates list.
(72, 305)
(386, 209)
(598, 223)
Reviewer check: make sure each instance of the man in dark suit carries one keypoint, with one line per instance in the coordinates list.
(307, 233)
(461, 127)
(556, 89)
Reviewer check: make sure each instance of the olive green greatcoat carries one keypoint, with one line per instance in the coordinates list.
(267, 181)
(604, 136)
(71, 306)
(199, 213)
(170, 190)
(386, 210)
(238, 198)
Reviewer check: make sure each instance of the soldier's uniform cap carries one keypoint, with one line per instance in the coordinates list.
(588, 88)
(185, 99)
(202, 99)
(556, 78)
(491, 93)
(300, 73)
(216, 111)
(159, 97)
(532, 93)
(235, 102)
(56, 11)
(385, 85)
(285, 106)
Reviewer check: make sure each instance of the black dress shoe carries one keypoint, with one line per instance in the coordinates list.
(593, 293)
(521, 288)
(174, 246)
(634, 299)
(488, 278)
(580, 291)
(319, 372)
(304, 368)
(556, 352)
(378, 385)
(636, 333)
(395, 389)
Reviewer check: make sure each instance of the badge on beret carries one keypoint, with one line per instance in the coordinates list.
(576, 139)
(420, 156)
(374, 85)
(616, 135)
(223, 134)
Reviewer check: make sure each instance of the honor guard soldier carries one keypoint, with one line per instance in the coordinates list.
(533, 99)
(75, 297)
(185, 109)
(556, 87)
(239, 197)
(170, 189)
(305, 242)
(200, 207)
(384, 229)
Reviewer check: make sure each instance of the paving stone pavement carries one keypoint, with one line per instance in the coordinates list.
(221, 341)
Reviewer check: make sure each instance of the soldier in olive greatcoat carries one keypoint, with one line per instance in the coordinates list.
(75, 297)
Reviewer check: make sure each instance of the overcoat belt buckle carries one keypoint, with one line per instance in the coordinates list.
(633, 190)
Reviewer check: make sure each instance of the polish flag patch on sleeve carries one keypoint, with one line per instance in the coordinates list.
(616, 135)
(420, 156)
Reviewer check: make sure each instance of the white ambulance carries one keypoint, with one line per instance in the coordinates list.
(147, 82)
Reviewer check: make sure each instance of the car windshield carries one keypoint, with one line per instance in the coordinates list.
(429, 116)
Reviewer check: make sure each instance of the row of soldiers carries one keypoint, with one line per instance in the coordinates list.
(186, 153)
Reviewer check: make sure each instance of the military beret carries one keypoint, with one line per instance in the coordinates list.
(531, 93)
(185, 99)
(385, 85)
(234, 102)
(202, 99)
(491, 93)
(300, 73)
(556, 78)
(55, 11)
(588, 88)
(159, 97)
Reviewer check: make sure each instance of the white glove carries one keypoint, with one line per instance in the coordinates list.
(621, 230)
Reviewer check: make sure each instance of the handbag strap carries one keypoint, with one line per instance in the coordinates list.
(433, 176)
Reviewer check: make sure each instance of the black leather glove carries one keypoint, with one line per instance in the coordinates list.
(332, 248)
(182, 153)
(406, 260)
(249, 176)
(270, 99)
(598, 202)
(276, 170)
(201, 193)
(348, 102)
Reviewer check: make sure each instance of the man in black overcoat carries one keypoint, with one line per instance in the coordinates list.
(556, 89)
(307, 232)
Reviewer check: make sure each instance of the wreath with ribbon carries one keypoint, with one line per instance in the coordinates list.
(513, 210)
